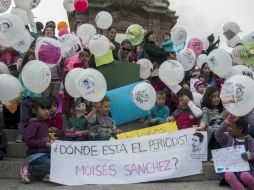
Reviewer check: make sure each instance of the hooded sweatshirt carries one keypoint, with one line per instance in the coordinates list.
(36, 136)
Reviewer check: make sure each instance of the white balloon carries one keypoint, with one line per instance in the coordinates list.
(103, 20)
(205, 43)
(27, 4)
(245, 39)
(4, 69)
(234, 41)
(36, 76)
(178, 35)
(187, 58)
(236, 95)
(21, 14)
(146, 68)
(144, 96)
(12, 29)
(201, 59)
(24, 45)
(11, 88)
(91, 85)
(4, 5)
(231, 29)
(69, 5)
(49, 51)
(86, 32)
(71, 45)
(70, 82)
(32, 22)
(235, 53)
(171, 72)
(220, 62)
(251, 37)
(99, 45)
(197, 98)
(241, 70)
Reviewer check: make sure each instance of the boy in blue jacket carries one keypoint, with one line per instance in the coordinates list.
(159, 113)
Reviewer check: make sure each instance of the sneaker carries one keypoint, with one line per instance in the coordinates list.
(46, 178)
(20, 139)
(24, 174)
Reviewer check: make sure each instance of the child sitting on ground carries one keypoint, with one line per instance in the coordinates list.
(237, 128)
(159, 113)
(78, 129)
(187, 112)
(38, 142)
(103, 126)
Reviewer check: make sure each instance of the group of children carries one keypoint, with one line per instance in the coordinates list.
(83, 125)
(41, 123)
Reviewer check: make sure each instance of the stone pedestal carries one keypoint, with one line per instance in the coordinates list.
(151, 15)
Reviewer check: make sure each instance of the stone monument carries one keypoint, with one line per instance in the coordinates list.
(150, 14)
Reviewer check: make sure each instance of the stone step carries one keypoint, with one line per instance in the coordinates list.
(16, 150)
(11, 134)
(10, 170)
(9, 167)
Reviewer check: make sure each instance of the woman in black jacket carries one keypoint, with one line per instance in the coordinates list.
(155, 53)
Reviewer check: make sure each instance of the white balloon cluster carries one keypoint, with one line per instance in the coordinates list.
(87, 83)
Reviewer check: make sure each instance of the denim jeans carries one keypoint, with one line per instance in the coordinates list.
(40, 167)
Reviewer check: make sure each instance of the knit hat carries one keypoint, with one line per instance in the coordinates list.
(198, 83)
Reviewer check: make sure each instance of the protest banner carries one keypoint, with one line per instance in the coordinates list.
(162, 128)
(134, 160)
(229, 160)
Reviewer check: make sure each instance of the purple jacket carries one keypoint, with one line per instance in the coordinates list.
(36, 136)
(226, 140)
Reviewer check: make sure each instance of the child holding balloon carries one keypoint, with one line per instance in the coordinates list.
(237, 128)
(187, 112)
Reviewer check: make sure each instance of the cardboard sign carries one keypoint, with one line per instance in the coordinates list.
(163, 128)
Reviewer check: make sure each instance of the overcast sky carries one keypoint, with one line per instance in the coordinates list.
(199, 17)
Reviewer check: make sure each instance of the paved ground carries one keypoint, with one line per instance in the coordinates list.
(197, 185)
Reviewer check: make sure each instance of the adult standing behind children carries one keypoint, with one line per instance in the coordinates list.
(155, 53)
(57, 71)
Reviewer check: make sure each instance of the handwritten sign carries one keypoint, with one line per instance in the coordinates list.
(229, 160)
(134, 160)
(163, 128)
